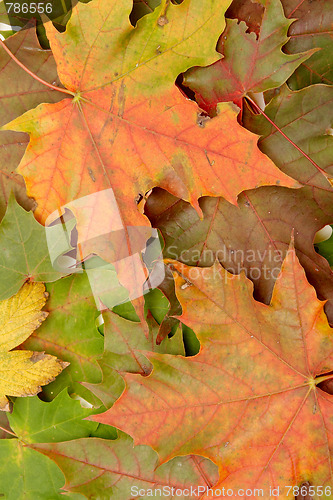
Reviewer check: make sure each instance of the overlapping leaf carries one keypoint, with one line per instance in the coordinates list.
(112, 468)
(253, 386)
(312, 29)
(71, 333)
(124, 352)
(125, 340)
(249, 12)
(25, 251)
(306, 118)
(35, 421)
(128, 121)
(23, 372)
(252, 237)
(251, 399)
(6, 29)
(250, 64)
(27, 474)
(168, 323)
(19, 93)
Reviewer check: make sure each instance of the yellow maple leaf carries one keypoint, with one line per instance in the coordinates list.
(22, 373)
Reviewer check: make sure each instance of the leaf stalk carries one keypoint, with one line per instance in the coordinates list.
(27, 70)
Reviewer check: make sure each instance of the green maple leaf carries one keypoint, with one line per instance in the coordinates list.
(125, 346)
(26, 474)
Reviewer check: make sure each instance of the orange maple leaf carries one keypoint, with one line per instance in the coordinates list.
(250, 399)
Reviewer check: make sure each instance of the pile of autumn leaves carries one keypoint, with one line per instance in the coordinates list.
(101, 111)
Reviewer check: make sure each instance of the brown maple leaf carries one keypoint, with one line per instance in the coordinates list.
(19, 93)
(126, 127)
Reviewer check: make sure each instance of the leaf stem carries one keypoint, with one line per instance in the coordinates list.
(6, 430)
(53, 87)
(255, 105)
